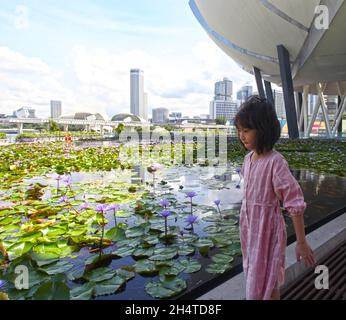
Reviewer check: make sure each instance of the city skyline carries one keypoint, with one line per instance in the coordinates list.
(53, 51)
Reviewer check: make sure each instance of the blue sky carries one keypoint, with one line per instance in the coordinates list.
(81, 51)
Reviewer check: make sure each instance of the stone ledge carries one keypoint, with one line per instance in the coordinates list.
(322, 241)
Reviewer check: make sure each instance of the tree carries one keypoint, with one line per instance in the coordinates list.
(221, 120)
(53, 126)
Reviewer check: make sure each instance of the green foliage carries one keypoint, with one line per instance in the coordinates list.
(221, 120)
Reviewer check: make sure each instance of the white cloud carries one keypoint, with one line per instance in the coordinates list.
(99, 80)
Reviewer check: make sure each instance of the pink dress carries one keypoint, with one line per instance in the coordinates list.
(267, 181)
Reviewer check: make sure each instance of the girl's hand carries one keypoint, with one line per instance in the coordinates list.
(303, 251)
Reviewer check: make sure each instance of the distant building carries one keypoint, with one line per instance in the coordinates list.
(222, 105)
(205, 116)
(244, 93)
(55, 109)
(227, 109)
(279, 104)
(177, 115)
(25, 112)
(224, 90)
(160, 115)
(138, 99)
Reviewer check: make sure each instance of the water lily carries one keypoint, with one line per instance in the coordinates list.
(152, 169)
(68, 180)
(115, 207)
(165, 214)
(191, 195)
(191, 220)
(217, 203)
(164, 203)
(84, 206)
(63, 199)
(57, 178)
(101, 208)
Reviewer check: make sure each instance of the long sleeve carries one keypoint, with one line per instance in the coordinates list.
(287, 188)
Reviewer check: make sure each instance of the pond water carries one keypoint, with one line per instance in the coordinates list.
(325, 197)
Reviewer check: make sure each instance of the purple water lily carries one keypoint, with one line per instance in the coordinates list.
(115, 207)
(217, 203)
(63, 199)
(84, 206)
(164, 203)
(101, 208)
(191, 219)
(68, 180)
(191, 194)
(165, 214)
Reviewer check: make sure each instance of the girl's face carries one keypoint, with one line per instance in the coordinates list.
(247, 137)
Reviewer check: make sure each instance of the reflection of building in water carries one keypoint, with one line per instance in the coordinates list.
(139, 177)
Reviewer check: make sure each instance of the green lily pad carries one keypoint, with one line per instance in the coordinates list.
(59, 267)
(164, 254)
(99, 274)
(135, 232)
(222, 258)
(83, 292)
(109, 286)
(190, 265)
(123, 251)
(165, 289)
(186, 250)
(216, 268)
(145, 267)
(143, 252)
(52, 291)
(115, 234)
(203, 242)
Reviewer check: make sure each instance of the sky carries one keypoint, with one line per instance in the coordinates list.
(80, 52)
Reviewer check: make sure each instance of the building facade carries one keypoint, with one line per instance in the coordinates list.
(160, 115)
(55, 109)
(279, 104)
(224, 90)
(138, 99)
(244, 93)
(221, 108)
(25, 112)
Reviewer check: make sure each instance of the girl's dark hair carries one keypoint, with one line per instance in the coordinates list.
(257, 113)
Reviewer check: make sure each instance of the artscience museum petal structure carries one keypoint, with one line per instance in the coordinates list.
(296, 44)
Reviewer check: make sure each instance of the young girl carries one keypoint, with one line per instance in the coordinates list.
(267, 182)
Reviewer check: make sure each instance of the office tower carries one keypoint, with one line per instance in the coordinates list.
(244, 93)
(221, 108)
(138, 102)
(55, 109)
(176, 115)
(223, 90)
(160, 115)
(222, 105)
(279, 104)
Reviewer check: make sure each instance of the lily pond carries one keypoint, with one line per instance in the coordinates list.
(85, 221)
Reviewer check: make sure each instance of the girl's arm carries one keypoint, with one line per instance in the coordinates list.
(303, 250)
(289, 192)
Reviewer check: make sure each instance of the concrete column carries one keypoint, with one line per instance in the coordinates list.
(66, 127)
(20, 127)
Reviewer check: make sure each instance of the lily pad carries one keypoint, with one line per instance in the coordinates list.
(109, 286)
(83, 292)
(99, 274)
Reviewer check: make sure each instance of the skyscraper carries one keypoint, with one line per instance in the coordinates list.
(222, 105)
(55, 109)
(223, 90)
(244, 93)
(138, 99)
